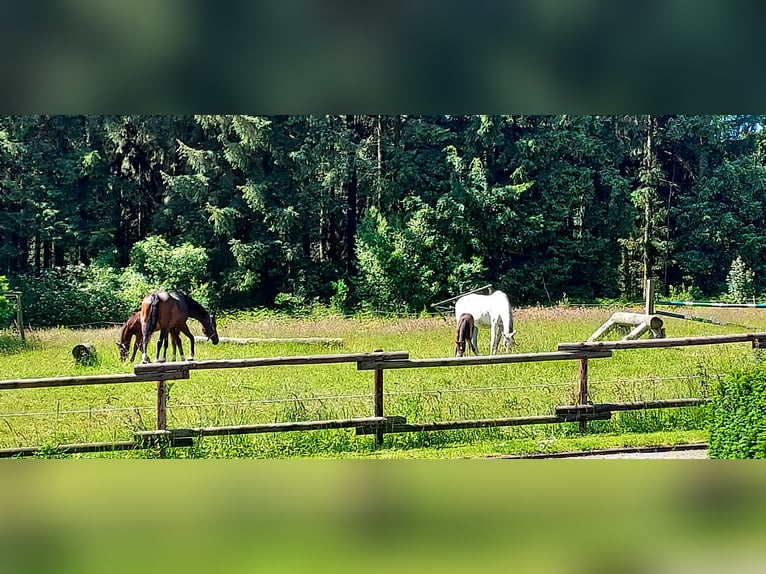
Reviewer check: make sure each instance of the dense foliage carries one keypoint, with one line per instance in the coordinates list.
(738, 421)
(383, 212)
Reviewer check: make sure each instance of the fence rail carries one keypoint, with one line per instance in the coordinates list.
(404, 363)
(711, 304)
(669, 342)
(169, 367)
(90, 380)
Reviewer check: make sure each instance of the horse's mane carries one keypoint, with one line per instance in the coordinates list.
(196, 311)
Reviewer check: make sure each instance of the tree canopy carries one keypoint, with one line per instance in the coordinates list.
(393, 212)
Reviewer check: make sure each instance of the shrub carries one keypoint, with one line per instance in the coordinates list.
(73, 295)
(6, 312)
(738, 416)
(740, 281)
(172, 267)
(685, 293)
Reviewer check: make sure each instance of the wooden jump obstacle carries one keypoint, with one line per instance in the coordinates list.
(639, 324)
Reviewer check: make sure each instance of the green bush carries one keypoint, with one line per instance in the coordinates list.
(172, 267)
(739, 282)
(75, 295)
(738, 416)
(85, 295)
(6, 312)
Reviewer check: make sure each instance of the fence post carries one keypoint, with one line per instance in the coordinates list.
(162, 403)
(649, 294)
(378, 402)
(583, 396)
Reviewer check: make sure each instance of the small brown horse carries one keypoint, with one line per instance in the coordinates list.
(132, 328)
(167, 312)
(465, 328)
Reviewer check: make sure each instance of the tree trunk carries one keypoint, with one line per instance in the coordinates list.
(648, 164)
(351, 220)
(38, 253)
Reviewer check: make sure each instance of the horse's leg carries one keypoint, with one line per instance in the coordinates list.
(173, 341)
(145, 335)
(185, 330)
(165, 347)
(472, 341)
(177, 343)
(493, 337)
(162, 340)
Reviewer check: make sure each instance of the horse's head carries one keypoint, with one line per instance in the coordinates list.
(459, 348)
(123, 351)
(508, 340)
(210, 330)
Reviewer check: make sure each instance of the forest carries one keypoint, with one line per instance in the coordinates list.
(371, 212)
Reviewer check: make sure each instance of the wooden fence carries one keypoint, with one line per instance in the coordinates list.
(378, 362)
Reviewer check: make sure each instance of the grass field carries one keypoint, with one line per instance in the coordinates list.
(33, 417)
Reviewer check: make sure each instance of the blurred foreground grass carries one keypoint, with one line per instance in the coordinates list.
(576, 517)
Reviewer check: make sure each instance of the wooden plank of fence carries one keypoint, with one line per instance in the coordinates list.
(371, 422)
(325, 341)
(631, 406)
(669, 342)
(156, 368)
(69, 448)
(486, 423)
(394, 363)
(88, 380)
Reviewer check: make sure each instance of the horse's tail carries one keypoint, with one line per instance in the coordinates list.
(505, 312)
(463, 329)
(150, 321)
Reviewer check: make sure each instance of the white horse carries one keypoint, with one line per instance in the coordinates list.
(489, 310)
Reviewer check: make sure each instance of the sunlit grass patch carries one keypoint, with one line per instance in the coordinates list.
(225, 397)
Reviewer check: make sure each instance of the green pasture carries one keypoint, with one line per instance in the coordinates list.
(33, 417)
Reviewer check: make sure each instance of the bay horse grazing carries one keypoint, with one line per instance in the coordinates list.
(131, 328)
(167, 312)
(465, 328)
(493, 310)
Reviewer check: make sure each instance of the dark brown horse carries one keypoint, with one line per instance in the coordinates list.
(167, 312)
(465, 328)
(132, 328)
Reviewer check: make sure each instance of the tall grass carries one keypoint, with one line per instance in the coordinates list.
(31, 417)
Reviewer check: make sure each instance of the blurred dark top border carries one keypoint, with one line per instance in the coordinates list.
(399, 56)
